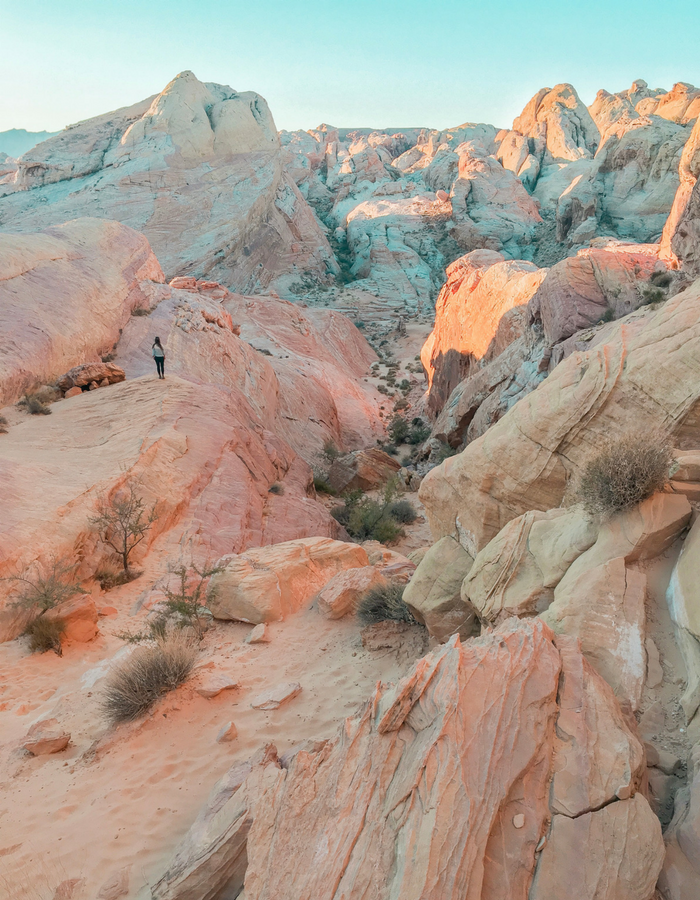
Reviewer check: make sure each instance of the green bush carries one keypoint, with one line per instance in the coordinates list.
(384, 603)
(398, 429)
(661, 279)
(418, 432)
(330, 451)
(322, 486)
(365, 519)
(403, 511)
(625, 471)
(651, 295)
(3, 425)
(146, 675)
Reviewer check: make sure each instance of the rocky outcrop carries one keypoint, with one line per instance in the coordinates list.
(680, 241)
(523, 461)
(271, 583)
(363, 470)
(481, 310)
(65, 294)
(433, 593)
(197, 169)
(89, 373)
(557, 121)
(475, 734)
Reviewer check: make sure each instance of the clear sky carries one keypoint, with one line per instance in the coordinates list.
(377, 63)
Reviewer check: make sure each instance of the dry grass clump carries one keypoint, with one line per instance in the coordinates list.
(625, 471)
(146, 675)
(3, 425)
(34, 405)
(382, 603)
(45, 634)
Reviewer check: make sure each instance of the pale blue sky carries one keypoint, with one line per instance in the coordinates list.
(358, 62)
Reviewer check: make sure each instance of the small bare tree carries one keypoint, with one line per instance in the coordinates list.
(188, 600)
(123, 521)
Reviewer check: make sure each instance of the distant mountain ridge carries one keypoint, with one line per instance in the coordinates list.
(17, 141)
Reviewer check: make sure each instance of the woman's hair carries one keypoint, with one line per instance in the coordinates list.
(157, 341)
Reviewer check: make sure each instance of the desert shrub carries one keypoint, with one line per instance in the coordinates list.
(405, 385)
(275, 488)
(45, 634)
(625, 471)
(330, 451)
(34, 405)
(148, 673)
(366, 519)
(403, 511)
(391, 449)
(108, 357)
(383, 389)
(111, 578)
(651, 294)
(360, 325)
(398, 429)
(607, 316)
(418, 432)
(401, 404)
(442, 452)
(322, 486)
(3, 425)
(383, 603)
(123, 521)
(186, 604)
(661, 279)
(140, 311)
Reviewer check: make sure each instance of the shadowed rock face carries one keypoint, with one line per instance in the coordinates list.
(447, 785)
(197, 169)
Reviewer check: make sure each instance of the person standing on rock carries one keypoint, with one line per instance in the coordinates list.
(159, 356)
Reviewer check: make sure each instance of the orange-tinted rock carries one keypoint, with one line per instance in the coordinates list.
(73, 392)
(270, 583)
(344, 591)
(79, 376)
(675, 245)
(184, 283)
(46, 737)
(274, 697)
(79, 617)
(364, 470)
(481, 309)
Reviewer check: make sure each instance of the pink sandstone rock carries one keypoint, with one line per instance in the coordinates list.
(103, 373)
(46, 737)
(363, 469)
(271, 583)
(344, 591)
(274, 697)
(211, 684)
(73, 392)
(94, 271)
(79, 617)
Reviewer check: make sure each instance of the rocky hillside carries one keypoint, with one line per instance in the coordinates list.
(400, 603)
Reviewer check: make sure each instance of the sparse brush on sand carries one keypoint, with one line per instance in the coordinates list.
(383, 603)
(147, 674)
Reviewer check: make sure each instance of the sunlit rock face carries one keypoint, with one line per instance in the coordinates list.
(197, 169)
(680, 243)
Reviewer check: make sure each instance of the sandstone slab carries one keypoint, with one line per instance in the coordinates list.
(46, 737)
(344, 591)
(270, 583)
(274, 697)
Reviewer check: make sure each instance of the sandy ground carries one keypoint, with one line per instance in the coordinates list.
(123, 798)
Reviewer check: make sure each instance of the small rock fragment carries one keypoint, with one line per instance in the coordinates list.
(73, 392)
(108, 611)
(258, 635)
(276, 696)
(229, 732)
(211, 685)
(46, 737)
(519, 820)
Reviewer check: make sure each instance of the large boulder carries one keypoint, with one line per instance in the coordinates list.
(271, 583)
(362, 470)
(511, 742)
(81, 376)
(342, 594)
(516, 573)
(433, 593)
(78, 617)
(525, 460)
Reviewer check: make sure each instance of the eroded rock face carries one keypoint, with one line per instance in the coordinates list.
(271, 583)
(558, 120)
(524, 460)
(474, 734)
(65, 293)
(197, 169)
(364, 470)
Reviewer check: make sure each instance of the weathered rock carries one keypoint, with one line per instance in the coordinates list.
(274, 697)
(623, 856)
(481, 309)
(93, 271)
(516, 573)
(259, 635)
(211, 684)
(117, 885)
(198, 137)
(524, 460)
(604, 608)
(344, 591)
(364, 470)
(227, 733)
(79, 618)
(673, 244)
(557, 120)
(270, 583)
(73, 392)
(101, 372)
(46, 737)
(433, 593)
